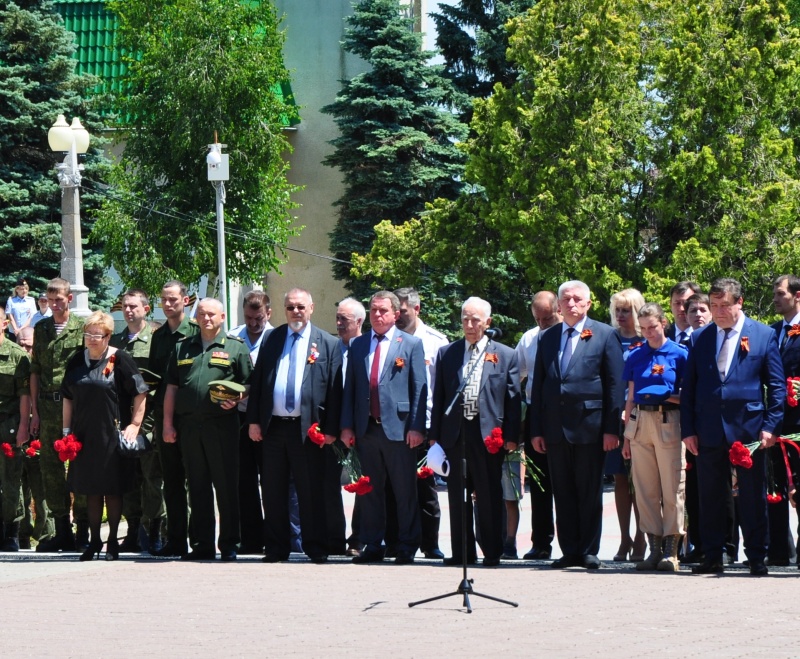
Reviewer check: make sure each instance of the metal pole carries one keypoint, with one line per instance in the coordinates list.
(69, 178)
(219, 186)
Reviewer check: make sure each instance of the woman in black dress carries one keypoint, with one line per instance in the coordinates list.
(102, 386)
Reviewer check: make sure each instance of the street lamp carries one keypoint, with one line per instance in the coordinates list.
(217, 163)
(73, 139)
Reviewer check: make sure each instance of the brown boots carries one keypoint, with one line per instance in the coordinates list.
(669, 563)
(652, 560)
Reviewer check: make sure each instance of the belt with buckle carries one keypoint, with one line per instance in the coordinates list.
(286, 418)
(666, 407)
(55, 396)
(374, 420)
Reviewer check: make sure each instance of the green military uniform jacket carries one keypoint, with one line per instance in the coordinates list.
(15, 371)
(139, 349)
(192, 368)
(162, 345)
(51, 353)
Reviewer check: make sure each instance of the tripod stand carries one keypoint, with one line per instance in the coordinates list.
(465, 587)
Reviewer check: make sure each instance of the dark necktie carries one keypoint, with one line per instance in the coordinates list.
(292, 368)
(374, 376)
(567, 354)
(473, 384)
(786, 328)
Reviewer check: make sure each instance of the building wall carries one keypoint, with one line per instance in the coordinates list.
(317, 63)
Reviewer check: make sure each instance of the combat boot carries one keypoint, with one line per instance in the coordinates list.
(669, 563)
(81, 535)
(154, 536)
(63, 540)
(11, 542)
(130, 543)
(651, 562)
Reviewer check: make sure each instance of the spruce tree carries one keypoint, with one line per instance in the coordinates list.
(396, 148)
(37, 83)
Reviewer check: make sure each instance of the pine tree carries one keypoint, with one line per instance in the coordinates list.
(396, 148)
(37, 83)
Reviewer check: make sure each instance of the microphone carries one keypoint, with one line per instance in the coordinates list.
(494, 333)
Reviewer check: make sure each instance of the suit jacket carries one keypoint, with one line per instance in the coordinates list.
(585, 402)
(403, 390)
(721, 413)
(790, 356)
(499, 401)
(321, 393)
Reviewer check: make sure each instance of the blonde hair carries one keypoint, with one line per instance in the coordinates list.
(99, 319)
(628, 297)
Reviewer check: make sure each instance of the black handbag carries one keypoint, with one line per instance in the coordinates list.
(135, 449)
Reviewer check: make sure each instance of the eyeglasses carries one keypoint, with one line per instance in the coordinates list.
(95, 337)
(292, 307)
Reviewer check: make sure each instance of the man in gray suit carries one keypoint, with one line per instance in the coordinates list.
(576, 403)
(297, 382)
(384, 410)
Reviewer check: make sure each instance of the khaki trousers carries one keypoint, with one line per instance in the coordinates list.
(658, 468)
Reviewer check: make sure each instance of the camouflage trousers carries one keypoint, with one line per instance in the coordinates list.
(11, 471)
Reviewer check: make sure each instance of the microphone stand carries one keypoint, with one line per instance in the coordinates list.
(465, 587)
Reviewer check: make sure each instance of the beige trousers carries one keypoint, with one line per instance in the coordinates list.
(658, 468)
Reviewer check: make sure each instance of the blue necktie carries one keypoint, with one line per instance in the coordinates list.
(567, 354)
(292, 368)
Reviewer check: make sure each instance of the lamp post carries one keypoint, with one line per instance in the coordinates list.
(217, 174)
(73, 139)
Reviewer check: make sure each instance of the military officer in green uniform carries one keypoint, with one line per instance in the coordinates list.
(32, 489)
(177, 328)
(55, 340)
(208, 431)
(145, 501)
(15, 406)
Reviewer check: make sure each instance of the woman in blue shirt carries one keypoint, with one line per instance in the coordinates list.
(653, 438)
(20, 308)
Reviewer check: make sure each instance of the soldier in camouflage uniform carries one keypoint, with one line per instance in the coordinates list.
(178, 327)
(145, 501)
(56, 340)
(32, 488)
(15, 405)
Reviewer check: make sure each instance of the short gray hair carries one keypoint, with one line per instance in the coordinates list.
(567, 285)
(355, 306)
(483, 305)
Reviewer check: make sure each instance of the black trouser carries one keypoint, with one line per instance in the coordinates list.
(484, 473)
(286, 453)
(781, 542)
(251, 515)
(576, 472)
(334, 507)
(175, 492)
(542, 527)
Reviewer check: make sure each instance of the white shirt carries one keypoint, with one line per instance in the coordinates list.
(240, 332)
(733, 339)
(387, 339)
(787, 326)
(681, 335)
(40, 316)
(526, 358)
(282, 376)
(576, 336)
(431, 342)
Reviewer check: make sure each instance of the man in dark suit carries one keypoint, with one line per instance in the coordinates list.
(681, 330)
(786, 297)
(494, 402)
(723, 401)
(576, 406)
(297, 382)
(384, 410)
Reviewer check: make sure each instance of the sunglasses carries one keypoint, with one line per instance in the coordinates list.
(292, 307)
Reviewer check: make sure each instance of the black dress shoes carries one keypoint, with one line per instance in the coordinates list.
(274, 558)
(170, 550)
(434, 553)
(709, 567)
(453, 561)
(368, 556)
(199, 555)
(758, 569)
(567, 561)
(591, 562)
(694, 556)
(491, 562)
(228, 556)
(404, 558)
(319, 560)
(246, 549)
(537, 555)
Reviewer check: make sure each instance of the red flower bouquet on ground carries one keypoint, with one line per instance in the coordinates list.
(741, 455)
(68, 447)
(494, 440)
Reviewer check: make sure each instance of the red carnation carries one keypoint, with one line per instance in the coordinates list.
(774, 498)
(424, 472)
(315, 435)
(494, 440)
(361, 486)
(68, 447)
(36, 445)
(741, 454)
(791, 391)
(8, 450)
